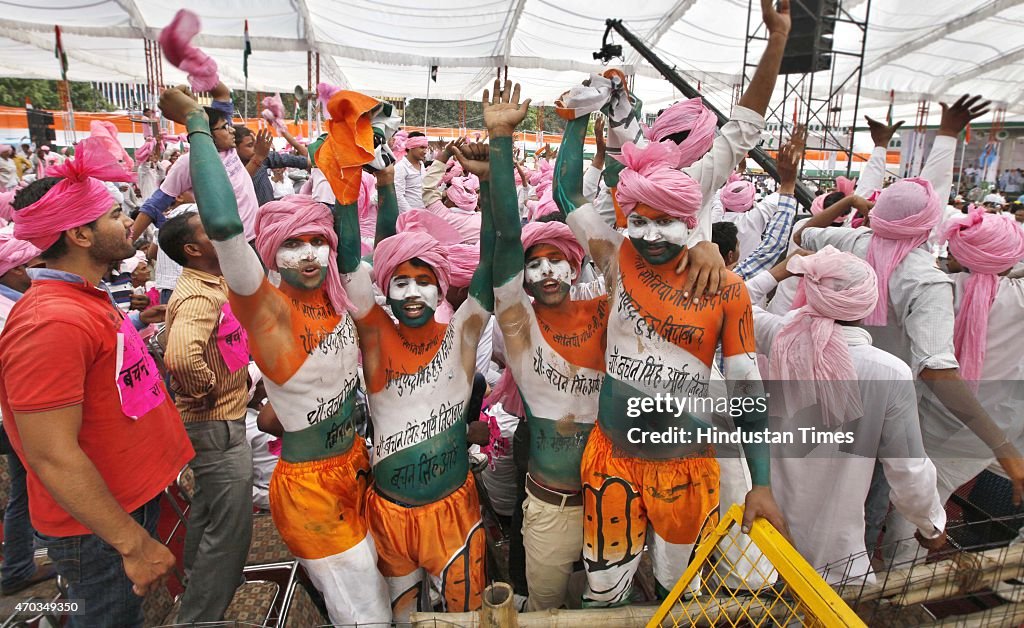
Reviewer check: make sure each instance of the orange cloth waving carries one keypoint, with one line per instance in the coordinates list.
(349, 143)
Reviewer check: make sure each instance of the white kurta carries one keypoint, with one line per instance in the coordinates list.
(749, 224)
(821, 489)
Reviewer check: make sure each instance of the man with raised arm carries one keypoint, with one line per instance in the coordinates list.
(555, 349)
(304, 342)
(423, 508)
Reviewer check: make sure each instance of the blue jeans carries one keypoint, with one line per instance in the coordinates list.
(95, 575)
(19, 563)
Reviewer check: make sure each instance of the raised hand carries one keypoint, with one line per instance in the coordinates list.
(502, 110)
(264, 140)
(449, 149)
(475, 159)
(777, 20)
(955, 118)
(177, 103)
(881, 133)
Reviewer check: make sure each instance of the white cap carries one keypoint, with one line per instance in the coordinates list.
(995, 199)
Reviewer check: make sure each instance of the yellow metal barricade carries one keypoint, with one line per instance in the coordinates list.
(799, 596)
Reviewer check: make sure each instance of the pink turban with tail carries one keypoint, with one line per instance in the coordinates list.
(175, 41)
(462, 258)
(844, 185)
(273, 112)
(901, 220)
(463, 192)
(810, 354)
(106, 132)
(558, 235)
(541, 207)
(398, 141)
(292, 216)
(651, 178)
(14, 252)
(686, 115)
(987, 244)
(77, 200)
(738, 196)
(393, 251)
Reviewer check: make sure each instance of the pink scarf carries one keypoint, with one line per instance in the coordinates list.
(986, 244)
(77, 200)
(558, 235)
(175, 41)
(811, 347)
(902, 218)
(651, 178)
(686, 115)
(106, 132)
(295, 215)
(506, 391)
(14, 252)
(738, 196)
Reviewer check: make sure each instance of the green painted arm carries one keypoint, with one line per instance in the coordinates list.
(218, 208)
(387, 213)
(758, 455)
(508, 243)
(612, 168)
(346, 225)
(567, 187)
(481, 287)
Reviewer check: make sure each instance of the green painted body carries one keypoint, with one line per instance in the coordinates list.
(426, 472)
(331, 437)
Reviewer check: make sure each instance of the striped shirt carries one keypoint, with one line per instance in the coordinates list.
(774, 241)
(193, 357)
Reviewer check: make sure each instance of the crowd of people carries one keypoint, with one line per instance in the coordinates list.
(356, 348)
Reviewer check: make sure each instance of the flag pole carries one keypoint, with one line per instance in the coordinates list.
(426, 105)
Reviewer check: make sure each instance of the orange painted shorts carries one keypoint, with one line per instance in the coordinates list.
(621, 496)
(446, 538)
(318, 506)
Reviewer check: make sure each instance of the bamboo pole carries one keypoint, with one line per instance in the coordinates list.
(497, 611)
(626, 617)
(1008, 616)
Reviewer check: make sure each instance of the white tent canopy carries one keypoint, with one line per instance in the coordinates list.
(921, 49)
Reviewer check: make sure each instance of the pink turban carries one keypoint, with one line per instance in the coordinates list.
(419, 141)
(542, 207)
(6, 206)
(461, 192)
(14, 252)
(651, 178)
(143, 152)
(77, 200)
(273, 112)
(175, 41)
(558, 235)
(5, 147)
(129, 265)
(844, 185)
(292, 216)
(902, 219)
(464, 259)
(106, 132)
(393, 251)
(425, 222)
(398, 140)
(810, 353)
(454, 170)
(738, 196)
(686, 115)
(987, 244)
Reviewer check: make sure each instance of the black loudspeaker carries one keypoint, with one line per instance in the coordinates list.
(809, 48)
(40, 127)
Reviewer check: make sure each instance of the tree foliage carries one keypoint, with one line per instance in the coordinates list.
(43, 95)
(446, 113)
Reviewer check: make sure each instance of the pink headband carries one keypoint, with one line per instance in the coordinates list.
(106, 132)
(461, 192)
(558, 235)
(738, 196)
(419, 141)
(687, 115)
(987, 244)
(293, 216)
(901, 221)
(175, 41)
(14, 252)
(651, 178)
(77, 200)
(393, 251)
(810, 354)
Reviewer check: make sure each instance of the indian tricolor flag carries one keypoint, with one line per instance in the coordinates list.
(246, 52)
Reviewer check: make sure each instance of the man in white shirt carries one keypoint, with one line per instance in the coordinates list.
(409, 173)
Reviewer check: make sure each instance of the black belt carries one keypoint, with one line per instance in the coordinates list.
(549, 496)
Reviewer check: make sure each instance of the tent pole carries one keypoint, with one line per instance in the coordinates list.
(426, 105)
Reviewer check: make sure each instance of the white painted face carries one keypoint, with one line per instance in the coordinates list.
(668, 230)
(403, 288)
(539, 269)
(298, 256)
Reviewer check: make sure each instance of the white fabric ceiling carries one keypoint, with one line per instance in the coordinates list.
(935, 49)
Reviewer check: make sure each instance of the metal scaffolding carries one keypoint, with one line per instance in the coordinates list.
(814, 99)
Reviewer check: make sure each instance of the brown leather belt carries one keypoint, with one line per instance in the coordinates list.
(549, 496)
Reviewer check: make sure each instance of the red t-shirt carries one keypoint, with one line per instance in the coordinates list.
(60, 349)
